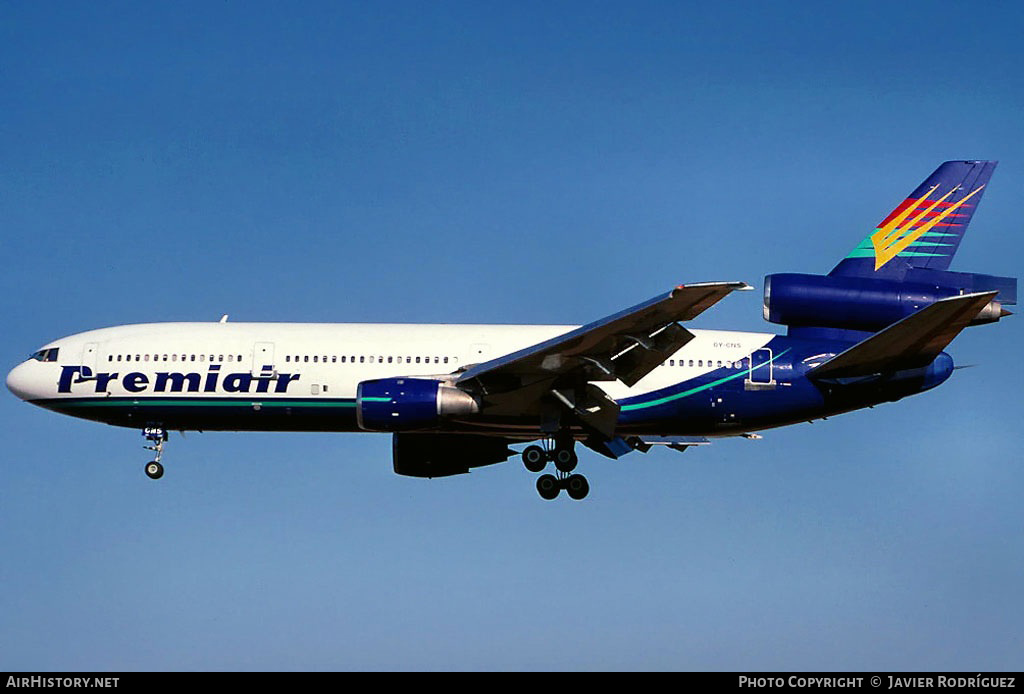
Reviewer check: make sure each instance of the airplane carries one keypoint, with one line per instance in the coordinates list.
(459, 397)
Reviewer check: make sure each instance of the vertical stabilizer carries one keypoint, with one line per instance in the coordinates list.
(925, 230)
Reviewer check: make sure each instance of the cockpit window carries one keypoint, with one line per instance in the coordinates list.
(46, 354)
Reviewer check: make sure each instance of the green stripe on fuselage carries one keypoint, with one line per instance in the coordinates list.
(185, 402)
(698, 389)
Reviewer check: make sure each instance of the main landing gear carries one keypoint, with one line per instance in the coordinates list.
(559, 451)
(158, 436)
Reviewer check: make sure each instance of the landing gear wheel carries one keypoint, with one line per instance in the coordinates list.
(548, 487)
(158, 437)
(565, 459)
(577, 487)
(534, 458)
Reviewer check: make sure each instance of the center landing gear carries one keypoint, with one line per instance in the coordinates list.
(560, 451)
(158, 436)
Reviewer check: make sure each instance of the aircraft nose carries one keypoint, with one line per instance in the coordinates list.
(19, 381)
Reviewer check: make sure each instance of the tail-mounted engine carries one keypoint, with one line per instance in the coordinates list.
(409, 404)
(858, 303)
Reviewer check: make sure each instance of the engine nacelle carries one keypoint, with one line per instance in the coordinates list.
(441, 455)
(409, 404)
(853, 303)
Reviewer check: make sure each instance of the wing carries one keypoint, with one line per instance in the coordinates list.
(625, 346)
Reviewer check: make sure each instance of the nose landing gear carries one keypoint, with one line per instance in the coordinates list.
(158, 436)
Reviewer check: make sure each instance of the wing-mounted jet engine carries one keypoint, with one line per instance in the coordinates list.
(410, 404)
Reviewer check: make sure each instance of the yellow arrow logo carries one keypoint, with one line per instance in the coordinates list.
(893, 238)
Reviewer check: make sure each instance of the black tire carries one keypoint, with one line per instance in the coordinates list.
(548, 487)
(534, 458)
(577, 487)
(154, 470)
(565, 459)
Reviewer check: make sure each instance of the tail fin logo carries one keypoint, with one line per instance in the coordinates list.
(897, 234)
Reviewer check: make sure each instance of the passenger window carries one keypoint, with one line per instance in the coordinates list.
(362, 360)
(446, 360)
(316, 358)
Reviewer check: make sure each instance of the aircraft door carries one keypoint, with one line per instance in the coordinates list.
(760, 375)
(263, 363)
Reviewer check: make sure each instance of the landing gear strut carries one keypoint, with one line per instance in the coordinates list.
(560, 451)
(158, 436)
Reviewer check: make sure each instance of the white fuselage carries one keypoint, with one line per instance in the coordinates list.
(310, 360)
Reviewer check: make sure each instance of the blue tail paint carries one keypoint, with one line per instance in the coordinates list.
(925, 230)
(898, 269)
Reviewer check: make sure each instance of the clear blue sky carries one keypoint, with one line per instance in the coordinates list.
(499, 162)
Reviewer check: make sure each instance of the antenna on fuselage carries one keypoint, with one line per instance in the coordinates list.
(223, 319)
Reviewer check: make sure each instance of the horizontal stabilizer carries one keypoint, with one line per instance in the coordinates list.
(911, 343)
